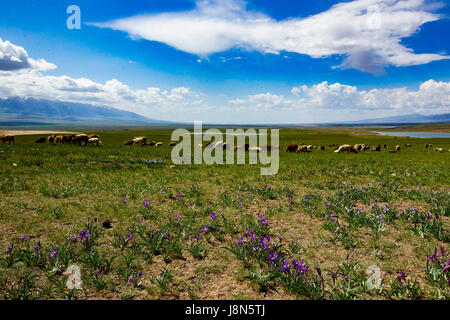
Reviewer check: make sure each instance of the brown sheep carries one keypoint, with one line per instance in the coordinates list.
(392, 151)
(322, 148)
(8, 138)
(79, 138)
(41, 140)
(128, 143)
(291, 147)
(407, 145)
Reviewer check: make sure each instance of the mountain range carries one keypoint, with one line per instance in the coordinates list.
(29, 110)
(23, 111)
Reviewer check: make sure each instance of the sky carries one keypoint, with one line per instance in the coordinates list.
(232, 61)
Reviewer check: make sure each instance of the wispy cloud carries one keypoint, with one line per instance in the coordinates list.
(367, 33)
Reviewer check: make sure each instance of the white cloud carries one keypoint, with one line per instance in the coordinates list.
(367, 32)
(14, 57)
(431, 97)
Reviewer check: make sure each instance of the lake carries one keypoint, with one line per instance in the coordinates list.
(426, 135)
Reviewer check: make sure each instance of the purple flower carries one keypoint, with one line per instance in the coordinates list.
(285, 267)
(179, 217)
(197, 237)
(401, 276)
(290, 200)
(23, 238)
(146, 203)
(327, 204)
(213, 215)
(129, 236)
(308, 197)
(10, 248)
(53, 254)
(38, 246)
(95, 219)
(179, 195)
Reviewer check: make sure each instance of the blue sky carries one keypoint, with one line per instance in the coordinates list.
(234, 61)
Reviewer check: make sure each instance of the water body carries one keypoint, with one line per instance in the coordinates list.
(425, 135)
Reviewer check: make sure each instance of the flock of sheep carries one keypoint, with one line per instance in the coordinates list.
(93, 139)
(349, 148)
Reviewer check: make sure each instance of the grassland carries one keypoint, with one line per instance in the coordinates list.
(224, 231)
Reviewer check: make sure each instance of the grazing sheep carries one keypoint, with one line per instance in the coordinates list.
(303, 148)
(41, 140)
(385, 146)
(357, 147)
(172, 144)
(376, 148)
(407, 145)
(397, 148)
(128, 143)
(95, 141)
(93, 135)
(67, 138)
(322, 148)
(140, 140)
(51, 139)
(59, 139)
(392, 151)
(439, 149)
(346, 147)
(8, 138)
(158, 144)
(151, 143)
(291, 147)
(77, 139)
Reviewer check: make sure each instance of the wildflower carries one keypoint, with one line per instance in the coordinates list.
(179, 195)
(240, 203)
(95, 219)
(179, 217)
(308, 197)
(53, 254)
(327, 204)
(331, 215)
(401, 276)
(213, 215)
(23, 238)
(285, 267)
(197, 237)
(241, 240)
(280, 238)
(204, 229)
(129, 236)
(10, 248)
(38, 246)
(146, 203)
(290, 200)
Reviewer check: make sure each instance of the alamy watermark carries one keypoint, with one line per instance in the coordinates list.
(258, 149)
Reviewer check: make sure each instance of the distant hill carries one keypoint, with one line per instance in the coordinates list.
(410, 119)
(28, 110)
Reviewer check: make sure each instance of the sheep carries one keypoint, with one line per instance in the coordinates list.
(51, 139)
(346, 147)
(41, 140)
(376, 148)
(158, 144)
(128, 143)
(291, 147)
(9, 139)
(140, 140)
(172, 144)
(439, 149)
(397, 148)
(303, 148)
(94, 141)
